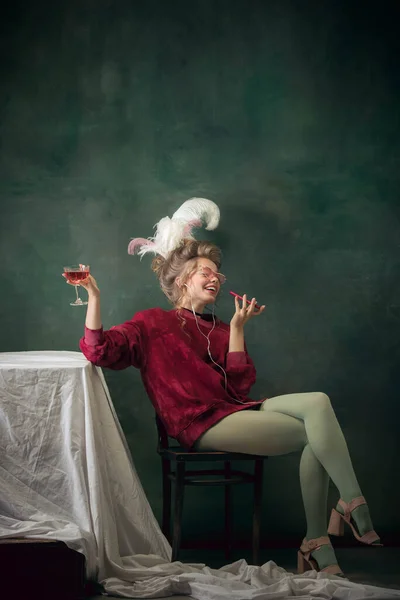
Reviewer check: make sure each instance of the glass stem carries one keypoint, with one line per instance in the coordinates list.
(76, 290)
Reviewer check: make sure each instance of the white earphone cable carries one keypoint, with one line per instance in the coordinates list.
(209, 343)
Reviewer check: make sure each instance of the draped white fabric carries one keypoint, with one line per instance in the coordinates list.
(66, 474)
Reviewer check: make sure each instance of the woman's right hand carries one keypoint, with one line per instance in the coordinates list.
(89, 284)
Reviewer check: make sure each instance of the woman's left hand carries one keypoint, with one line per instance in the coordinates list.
(245, 312)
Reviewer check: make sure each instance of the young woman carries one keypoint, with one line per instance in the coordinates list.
(198, 375)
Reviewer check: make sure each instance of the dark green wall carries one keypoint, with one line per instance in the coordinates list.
(287, 115)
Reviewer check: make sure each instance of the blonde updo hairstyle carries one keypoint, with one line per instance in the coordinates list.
(182, 262)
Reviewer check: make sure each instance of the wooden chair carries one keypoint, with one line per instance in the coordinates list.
(173, 461)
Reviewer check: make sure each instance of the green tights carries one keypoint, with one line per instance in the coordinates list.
(291, 423)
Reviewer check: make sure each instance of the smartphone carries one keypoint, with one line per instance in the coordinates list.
(241, 298)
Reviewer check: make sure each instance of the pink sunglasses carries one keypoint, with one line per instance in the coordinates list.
(210, 273)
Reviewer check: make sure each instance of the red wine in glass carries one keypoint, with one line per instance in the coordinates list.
(74, 274)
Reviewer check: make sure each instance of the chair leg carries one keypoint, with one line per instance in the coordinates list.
(178, 505)
(166, 485)
(228, 517)
(258, 482)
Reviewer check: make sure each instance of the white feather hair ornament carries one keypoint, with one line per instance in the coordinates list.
(171, 231)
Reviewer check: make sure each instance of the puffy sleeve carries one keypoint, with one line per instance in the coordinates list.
(117, 348)
(240, 371)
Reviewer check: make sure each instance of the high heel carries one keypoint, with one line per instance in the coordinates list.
(337, 521)
(306, 563)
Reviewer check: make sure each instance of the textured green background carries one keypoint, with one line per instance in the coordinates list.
(284, 113)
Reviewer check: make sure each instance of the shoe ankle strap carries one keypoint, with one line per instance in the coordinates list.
(314, 544)
(349, 507)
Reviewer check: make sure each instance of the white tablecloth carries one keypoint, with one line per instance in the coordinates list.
(66, 474)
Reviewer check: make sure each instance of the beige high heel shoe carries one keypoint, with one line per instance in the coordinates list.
(337, 521)
(306, 563)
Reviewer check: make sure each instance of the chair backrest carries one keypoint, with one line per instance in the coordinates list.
(163, 442)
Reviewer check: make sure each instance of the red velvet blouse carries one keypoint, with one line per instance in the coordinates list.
(187, 390)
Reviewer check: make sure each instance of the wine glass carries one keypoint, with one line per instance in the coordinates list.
(75, 274)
